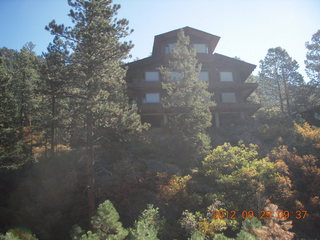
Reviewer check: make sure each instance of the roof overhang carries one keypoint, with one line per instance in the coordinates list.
(212, 39)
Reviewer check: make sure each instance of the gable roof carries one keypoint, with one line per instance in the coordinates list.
(212, 39)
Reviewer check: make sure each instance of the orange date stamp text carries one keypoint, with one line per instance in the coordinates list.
(249, 214)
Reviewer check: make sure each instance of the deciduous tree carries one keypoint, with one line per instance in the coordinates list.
(240, 170)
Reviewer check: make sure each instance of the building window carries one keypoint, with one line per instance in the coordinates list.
(228, 97)
(226, 77)
(204, 76)
(152, 76)
(169, 48)
(151, 98)
(200, 48)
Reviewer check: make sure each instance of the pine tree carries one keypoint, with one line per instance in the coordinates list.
(279, 78)
(187, 103)
(12, 152)
(53, 87)
(19, 76)
(313, 67)
(7, 114)
(147, 226)
(26, 77)
(105, 223)
(98, 86)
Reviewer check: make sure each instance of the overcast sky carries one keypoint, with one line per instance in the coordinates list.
(248, 28)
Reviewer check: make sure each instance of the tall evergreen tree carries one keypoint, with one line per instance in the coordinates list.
(186, 102)
(313, 67)
(19, 77)
(11, 147)
(147, 226)
(26, 77)
(105, 223)
(54, 87)
(98, 86)
(278, 79)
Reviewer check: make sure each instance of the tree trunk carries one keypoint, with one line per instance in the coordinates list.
(280, 96)
(53, 112)
(286, 92)
(90, 168)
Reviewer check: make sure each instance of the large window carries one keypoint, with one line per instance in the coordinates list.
(228, 97)
(204, 76)
(169, 48)
(152, 76)
(226, 77)
(200, 48)
(151, 98)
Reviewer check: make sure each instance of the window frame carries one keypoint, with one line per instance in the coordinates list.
(149, 79)
(224, 94)
(169, 48)
(208, 76)
(144, 100)
(224, 72)
(206, 48)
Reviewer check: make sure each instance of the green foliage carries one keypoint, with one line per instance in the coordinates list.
(187, 103)
(244, 235)
(18, 106)
(98, 87)
(90, 236)
(274, 127)
(76, 95)
(197, 236)
(147, 226)
(53, 87)
(240, 170)
(246, 229)
(205, 225)
(312, 63)
(105, 223)
(221, 237)
(101, 111)
(313, 59)
(279, 80)
(246, 232)
(18, 234)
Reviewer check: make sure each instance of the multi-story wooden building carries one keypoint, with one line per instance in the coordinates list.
(226, 77)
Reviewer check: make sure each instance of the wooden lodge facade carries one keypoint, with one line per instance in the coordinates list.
(226, 77)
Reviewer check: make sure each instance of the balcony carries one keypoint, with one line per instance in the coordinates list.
(145, 85)
(237, 107)
(151, 108)
(245, 88)
(234, 85)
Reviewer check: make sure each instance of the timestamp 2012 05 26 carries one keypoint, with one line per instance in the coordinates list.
(249, 214)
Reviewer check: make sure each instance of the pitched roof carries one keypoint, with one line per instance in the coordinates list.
(213, 39)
